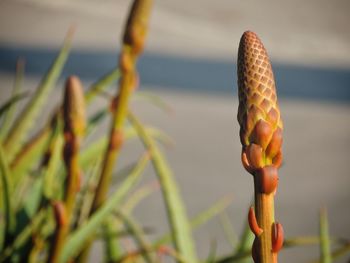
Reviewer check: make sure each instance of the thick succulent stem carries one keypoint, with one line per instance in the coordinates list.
(261, 137)
(264, 210)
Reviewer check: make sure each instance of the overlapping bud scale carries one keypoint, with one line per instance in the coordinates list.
(258, 113)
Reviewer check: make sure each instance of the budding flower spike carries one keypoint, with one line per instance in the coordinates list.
(261, 137)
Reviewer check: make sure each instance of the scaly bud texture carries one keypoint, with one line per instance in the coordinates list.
(261, 137)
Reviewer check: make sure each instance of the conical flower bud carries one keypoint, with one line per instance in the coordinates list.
(258, 112)
(137, 25)
(74, 107)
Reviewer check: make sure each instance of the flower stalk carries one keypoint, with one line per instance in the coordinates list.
(133, 42)
(74, 128)
(261, 137)
(132, 46)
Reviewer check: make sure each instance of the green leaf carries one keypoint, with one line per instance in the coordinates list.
(102, 84)
(136, 197)
(201, 218)
(8, 212)
(177, 215)
(78, 238)
(137, 233)
(98, 147)
(24, 235)
(245, 244)
(153, 99)
(50, 184)
(8, 106)
(325, 247)
(228, 229)
(29, 155)
(20, 129)
(113, 249)
(11, 110)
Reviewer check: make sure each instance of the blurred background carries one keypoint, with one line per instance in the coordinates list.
(190, 61)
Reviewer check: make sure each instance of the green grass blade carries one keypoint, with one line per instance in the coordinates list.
(153, 99)
(137, 233)
(50, 185)
(24, 235)
(113, 249)
(200, 219)
(325, 247)
(229, 232)
(6, 197)
(136, 197)
(26, 119)
(177, 216)
(106, 81)
(245, 244)
(78, 238)
(15, 93)
(30, 154)
(5, 107)
(98, 147)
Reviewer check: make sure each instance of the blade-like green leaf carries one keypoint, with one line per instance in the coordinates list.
(11, 110)
(113, 251)
(136, 197)
(26, 119)
(102, 84)
(30, 154)
(325, 247)
(24, 235)
(153, 99)
(50, 183)
(177, 215)
(229, 232)
(201, 218)
(137, 233)
(6, 106)
(97, 148)
(6, 189)
(78, 238)
(245, 244)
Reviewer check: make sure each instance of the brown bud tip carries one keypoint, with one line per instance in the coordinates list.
(137, 24)
(60, 213)
(267, 179)
(262, 133)
(277, 237)
(117, 139)
(245, 163)
(275, 144)
(74, 107)
(277, 160)
(253, 223)
(255, 156)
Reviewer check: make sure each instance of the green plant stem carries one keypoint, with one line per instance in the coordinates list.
(325, 248)
(264, 211)
(12, 109)
(6, 189)
(177, 215)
